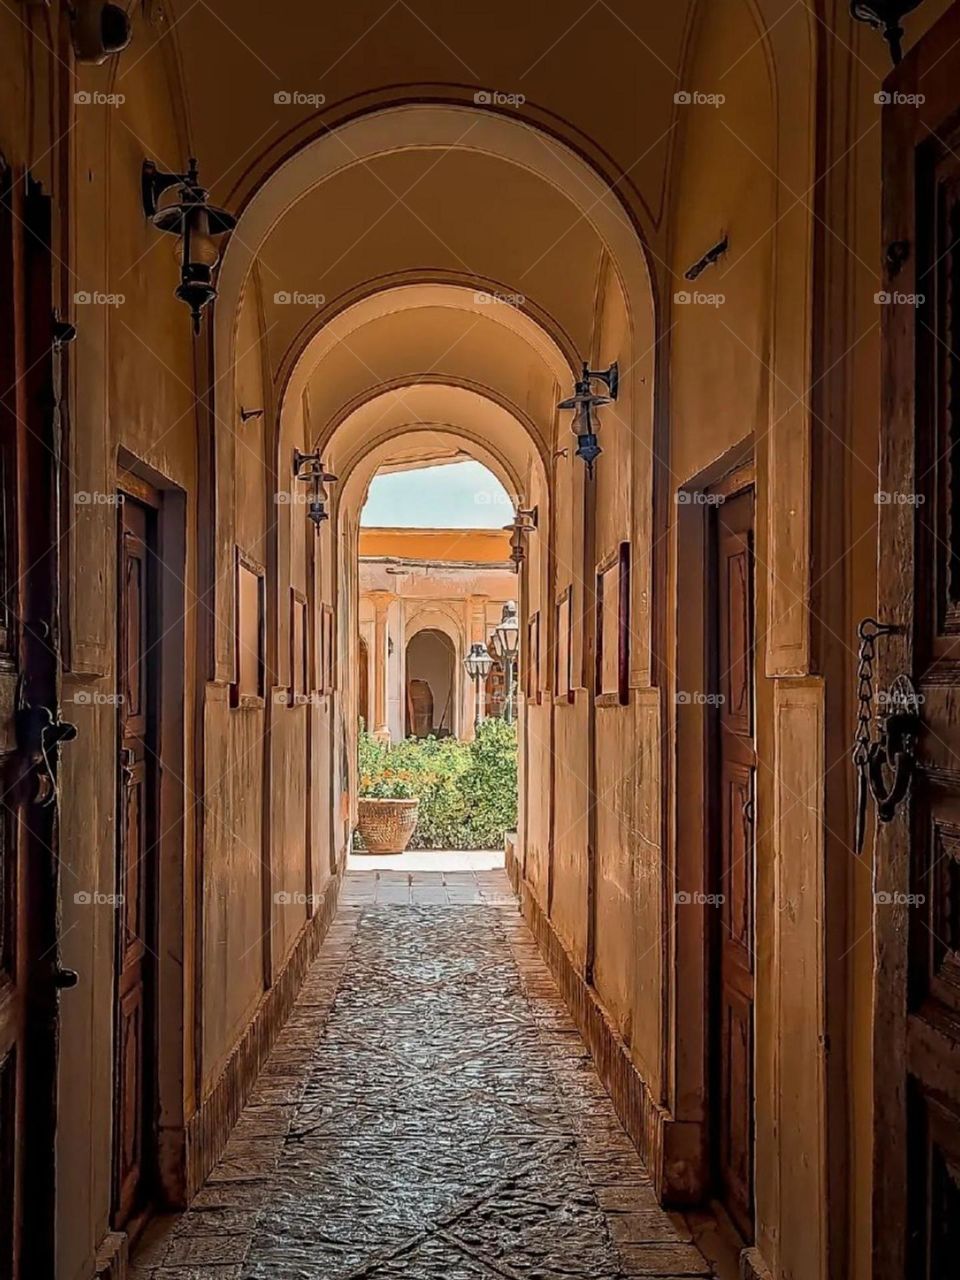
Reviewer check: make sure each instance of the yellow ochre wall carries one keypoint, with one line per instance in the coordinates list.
(477, 546)
(267, 790)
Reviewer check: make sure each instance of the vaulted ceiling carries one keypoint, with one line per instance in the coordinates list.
(608, 71)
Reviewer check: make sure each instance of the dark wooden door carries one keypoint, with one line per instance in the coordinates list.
(30, 730)
(731, 1042)
(135, 1109)
(917, 855)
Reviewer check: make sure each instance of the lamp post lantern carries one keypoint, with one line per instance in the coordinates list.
(477, 664)
(506, 645)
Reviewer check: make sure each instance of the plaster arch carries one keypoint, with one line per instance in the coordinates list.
(436, 617)
(429, 128)
(405, 291)
(387, 431)
(390, 339)
(414, 390)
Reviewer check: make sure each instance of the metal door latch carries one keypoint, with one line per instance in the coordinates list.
(40, 734)
(894, 745)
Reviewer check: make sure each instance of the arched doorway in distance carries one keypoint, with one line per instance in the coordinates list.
(431, 686)
(363, 682)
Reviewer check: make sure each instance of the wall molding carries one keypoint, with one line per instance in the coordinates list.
(672, 1151)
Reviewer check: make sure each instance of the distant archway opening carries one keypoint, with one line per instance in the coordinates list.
(431, 685)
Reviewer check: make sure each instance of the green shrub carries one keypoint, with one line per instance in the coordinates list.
(489, 783)
(391, 784)
(467, 791)
(371, 757)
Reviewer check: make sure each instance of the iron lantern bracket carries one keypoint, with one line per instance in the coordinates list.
(886, 17)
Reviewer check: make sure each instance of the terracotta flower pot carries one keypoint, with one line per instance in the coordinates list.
(386, 826)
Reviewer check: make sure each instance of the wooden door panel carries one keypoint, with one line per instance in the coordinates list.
(736, 1121)
(30, 972)
(134, 1139)
(917, 871)
(736, 675)
(732, 878)
(130, 1083)
(934, 1243)
(736, 888)
(8, 1139)
(132, 884)
(134, 604)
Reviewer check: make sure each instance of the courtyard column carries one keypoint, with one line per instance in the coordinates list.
(381, 604)
(476, 629)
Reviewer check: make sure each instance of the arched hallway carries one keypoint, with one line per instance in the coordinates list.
(682, 280)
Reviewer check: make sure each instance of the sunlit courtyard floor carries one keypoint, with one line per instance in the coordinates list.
(428, 860)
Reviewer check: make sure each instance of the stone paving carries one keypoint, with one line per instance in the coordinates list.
(429, 1113)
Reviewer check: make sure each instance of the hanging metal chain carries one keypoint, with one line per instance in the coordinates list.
(868, 632)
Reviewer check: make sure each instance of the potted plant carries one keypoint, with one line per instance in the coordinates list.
(387, 810)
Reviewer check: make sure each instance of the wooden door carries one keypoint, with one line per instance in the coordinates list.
(135, 1117)
(917, 855)
(734, 766)
(30, 731)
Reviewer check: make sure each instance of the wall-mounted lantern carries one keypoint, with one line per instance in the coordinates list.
(524, 522)
(99, 30)
(477, 665)
(196, 222)
(585, 402)
(885, 16)
(309, 468)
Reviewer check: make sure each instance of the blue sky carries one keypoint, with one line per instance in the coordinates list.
(460, 495)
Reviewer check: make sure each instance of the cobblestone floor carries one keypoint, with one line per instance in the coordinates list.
(429, 1112)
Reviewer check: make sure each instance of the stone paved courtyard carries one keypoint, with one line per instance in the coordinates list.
(429, 1112)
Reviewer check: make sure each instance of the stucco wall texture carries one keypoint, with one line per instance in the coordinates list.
(416, 269)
